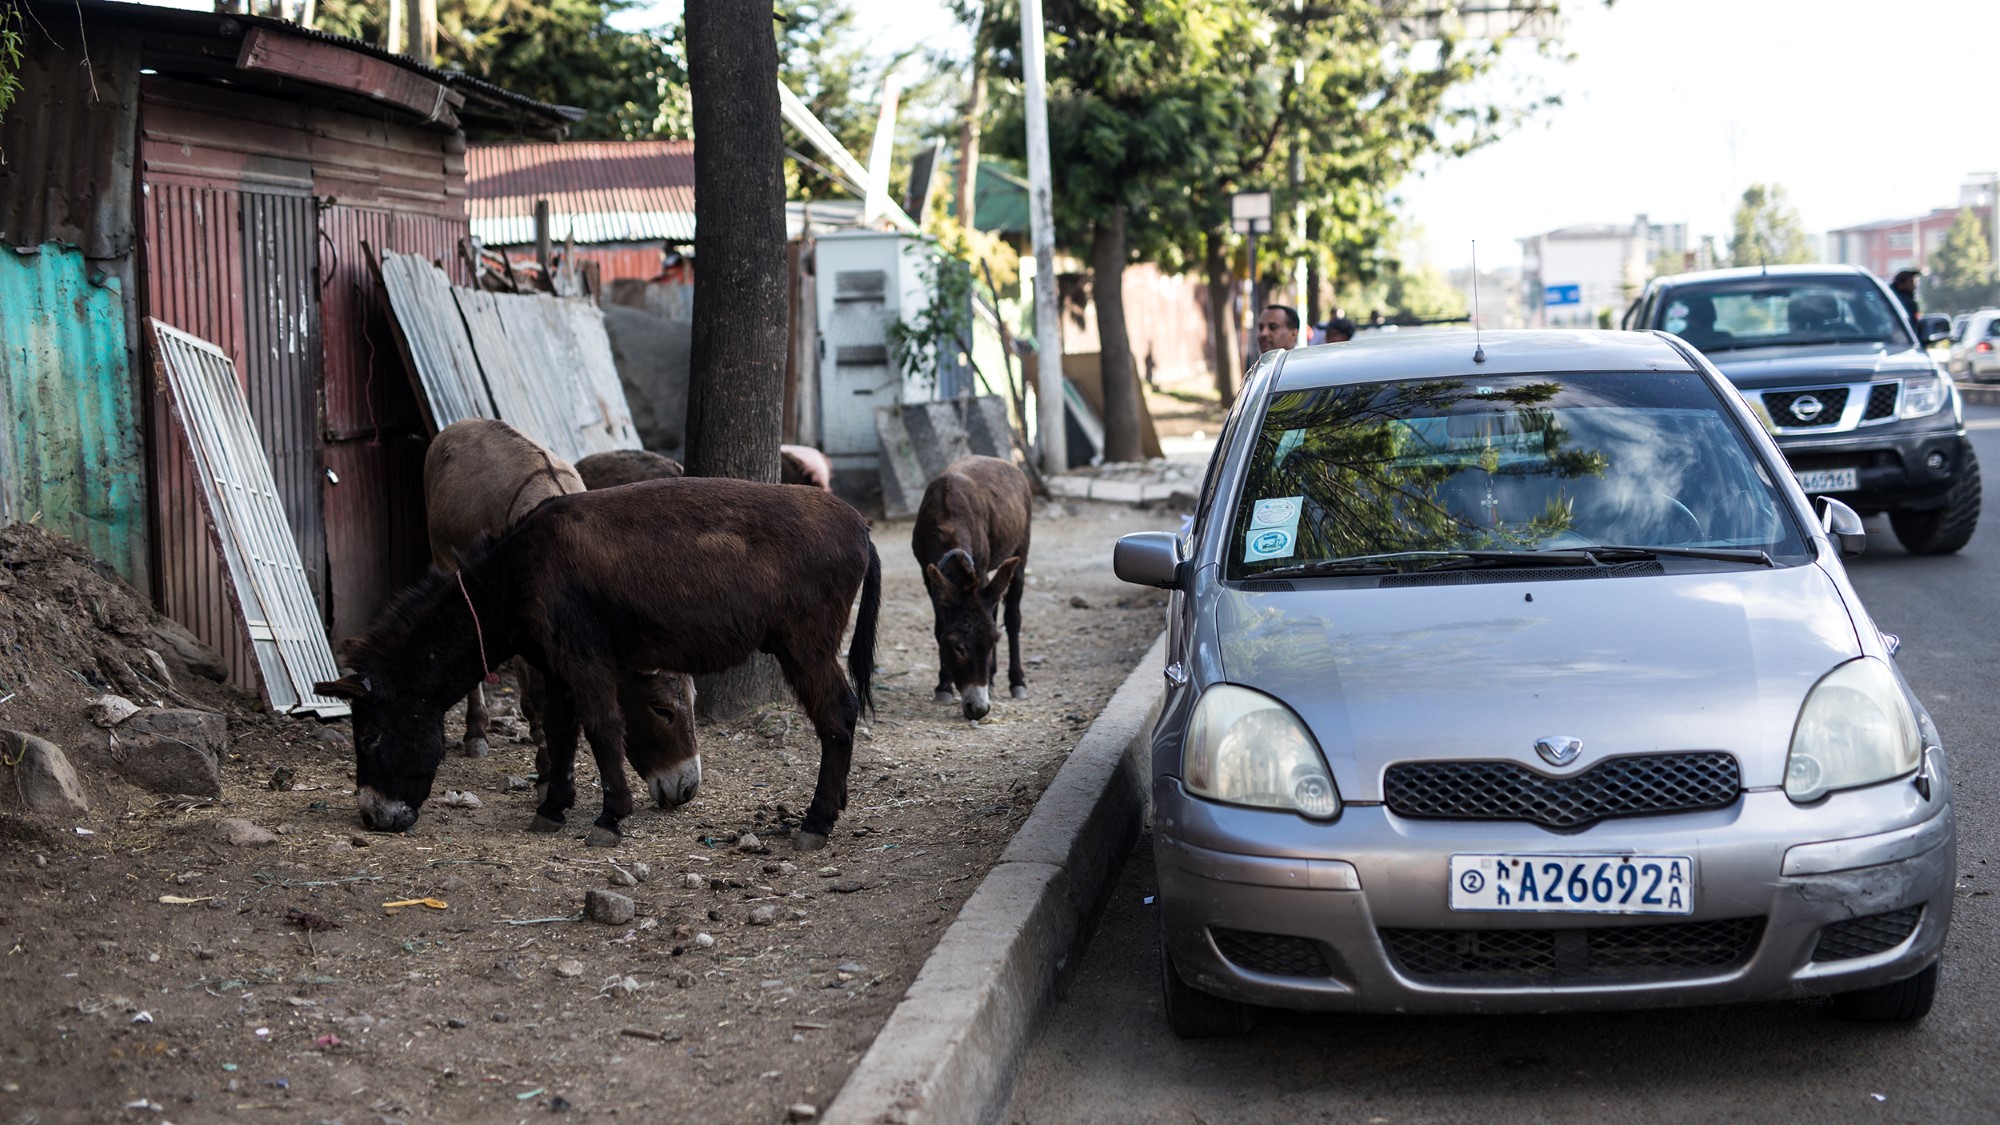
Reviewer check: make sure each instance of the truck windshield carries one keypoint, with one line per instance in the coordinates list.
(1508, 463)
(1764, 312)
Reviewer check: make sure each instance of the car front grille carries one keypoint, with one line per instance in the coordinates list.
(1860, 937)
(1783, 406)
(1881, 402)
(1639, 785)
(1281, 955)
(1519, 956)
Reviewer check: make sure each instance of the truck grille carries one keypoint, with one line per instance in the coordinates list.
(1784, 407)
(1639, 785)
(1860, 937)
(1881, 401)
(1513, 956)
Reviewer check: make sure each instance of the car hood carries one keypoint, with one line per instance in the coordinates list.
(1759, 368)
(1634, 665)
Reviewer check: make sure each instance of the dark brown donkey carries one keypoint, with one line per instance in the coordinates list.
(689, 575)
(972, 541)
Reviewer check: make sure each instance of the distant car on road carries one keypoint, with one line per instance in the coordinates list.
(1517, 674)
(1826, 358)
(1975, 347)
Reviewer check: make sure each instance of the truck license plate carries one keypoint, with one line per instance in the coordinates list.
(1574, 884)
(1829, 480)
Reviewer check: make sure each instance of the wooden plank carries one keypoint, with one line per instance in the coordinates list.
(246, 519)
(326, 64)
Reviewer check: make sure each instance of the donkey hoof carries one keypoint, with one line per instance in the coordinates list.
(1018, 691)
(544, 824)
(473, 748)
(942, 696)
(602, 837)
(808, 841)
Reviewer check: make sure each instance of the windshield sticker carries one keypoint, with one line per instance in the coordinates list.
(1274, 529)
(1677, 317)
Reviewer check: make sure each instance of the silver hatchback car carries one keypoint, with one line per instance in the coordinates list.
(1518, 675)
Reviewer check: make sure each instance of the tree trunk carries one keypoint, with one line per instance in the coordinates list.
(1221, 327)
(968, 149)
(1121, 390)
(737, 366)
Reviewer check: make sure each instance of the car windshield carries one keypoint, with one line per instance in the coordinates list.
(1763, 312)
(1374, 472)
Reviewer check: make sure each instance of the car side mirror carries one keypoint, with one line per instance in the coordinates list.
(1933, 329)
(1148, 558)
(1842, 526)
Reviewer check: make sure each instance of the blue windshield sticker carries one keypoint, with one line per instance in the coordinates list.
(1274, 529)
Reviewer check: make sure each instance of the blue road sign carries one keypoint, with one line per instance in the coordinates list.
(1562, 294)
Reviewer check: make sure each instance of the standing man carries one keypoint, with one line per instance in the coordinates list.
(1905, 286)
(1277, 329)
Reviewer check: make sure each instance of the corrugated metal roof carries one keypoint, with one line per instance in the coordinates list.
(598, 191)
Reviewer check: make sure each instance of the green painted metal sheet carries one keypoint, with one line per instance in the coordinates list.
(72, 452)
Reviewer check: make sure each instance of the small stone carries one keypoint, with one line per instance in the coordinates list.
(109, 710)
(460, 800)
(764, 915)
(569, 967)
(642, 872)
(608, 907)
(854, 968)
(706, 941)
(358, 841)
(748, 842)
(157, 664)
(454, 1023)
(238, 832)
(620, 877)
(515, 783)
(41, 860)
(801, 1112)
(829, 872)
(282, 779)
(694, 882)
(1078, 601)
(798, 915)
(44, 777)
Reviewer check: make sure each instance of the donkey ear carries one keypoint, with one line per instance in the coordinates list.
(1003, 576)
(346, 687)
(958, 566)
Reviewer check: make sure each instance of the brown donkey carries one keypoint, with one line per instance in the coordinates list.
(689, 575)
(971, 539)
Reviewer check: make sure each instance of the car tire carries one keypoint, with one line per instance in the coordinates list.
(1905, 1001)
(1194, 1014)
(1940, 531)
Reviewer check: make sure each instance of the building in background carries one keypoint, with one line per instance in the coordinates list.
(1891, 245)
(1572, 276)
(620, 204)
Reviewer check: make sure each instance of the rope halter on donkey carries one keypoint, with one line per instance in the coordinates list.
(492, 677)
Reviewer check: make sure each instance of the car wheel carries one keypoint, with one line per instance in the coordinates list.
(1194, 1014)
(1941, 531)
(1906, 1001)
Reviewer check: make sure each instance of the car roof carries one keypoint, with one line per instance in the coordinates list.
(1822, 269)
(1383, 356)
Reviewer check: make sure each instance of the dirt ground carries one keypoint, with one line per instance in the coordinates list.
(151, 972)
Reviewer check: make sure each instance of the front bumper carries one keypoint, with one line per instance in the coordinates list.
(1892, 469)
(1374, 872)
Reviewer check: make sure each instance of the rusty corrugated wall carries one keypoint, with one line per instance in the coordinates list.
(282, 353)
(69, 141)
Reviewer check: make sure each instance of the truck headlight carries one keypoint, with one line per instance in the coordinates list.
(1855, 728)
(1922, 394)
(1246, 748)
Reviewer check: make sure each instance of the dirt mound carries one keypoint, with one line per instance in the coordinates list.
(71, 629)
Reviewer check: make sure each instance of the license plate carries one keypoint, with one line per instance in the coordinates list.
(1574, 884)
(1829, 480)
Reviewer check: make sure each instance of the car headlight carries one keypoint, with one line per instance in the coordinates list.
(1922, 394)
(1856, 728)
(1246, 748)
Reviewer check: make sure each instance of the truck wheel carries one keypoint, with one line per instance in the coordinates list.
(1941, 531)
(1906, 1001)
(1194, 1014)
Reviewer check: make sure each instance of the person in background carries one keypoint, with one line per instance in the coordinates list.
(1905, 287)
(1277, 329)
(1339, 330)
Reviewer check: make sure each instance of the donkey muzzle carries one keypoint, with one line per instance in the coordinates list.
(383, 814)
(976, 702)
(677, 784)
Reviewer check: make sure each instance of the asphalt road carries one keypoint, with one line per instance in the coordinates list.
(1106, 1054)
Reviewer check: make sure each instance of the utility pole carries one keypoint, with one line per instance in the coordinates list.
(1050, 418)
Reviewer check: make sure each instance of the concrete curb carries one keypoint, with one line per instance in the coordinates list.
(950, 1048)
(1981, 394)
(1136, 493)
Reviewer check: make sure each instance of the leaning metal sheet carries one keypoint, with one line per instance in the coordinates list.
(267, 578)
(448, 365)
(512, 367)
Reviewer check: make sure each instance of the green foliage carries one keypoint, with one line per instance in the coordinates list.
(1767, 230)
(10, 57)
(942, 328)
(1961, 272)
(631, 85)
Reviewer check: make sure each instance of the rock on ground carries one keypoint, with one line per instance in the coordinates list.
(608, 907)
(171, 750)
(238, 832)
(42, 774)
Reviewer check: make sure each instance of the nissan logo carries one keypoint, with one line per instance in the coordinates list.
(1805, 408)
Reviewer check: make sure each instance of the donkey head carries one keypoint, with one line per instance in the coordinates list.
(967, 627)
(659, 734)
(398, 743)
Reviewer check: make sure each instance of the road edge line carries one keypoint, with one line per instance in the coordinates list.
(949, 1050)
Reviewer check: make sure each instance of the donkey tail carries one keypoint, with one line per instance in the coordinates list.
(861, 654)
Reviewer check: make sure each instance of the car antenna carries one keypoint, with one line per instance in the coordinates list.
(1478, 348)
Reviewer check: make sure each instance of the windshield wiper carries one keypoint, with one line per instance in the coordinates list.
(1624, 553)
(1432, 560)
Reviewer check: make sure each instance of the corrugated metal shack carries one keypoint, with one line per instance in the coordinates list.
(618, 202)
(227, 174)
